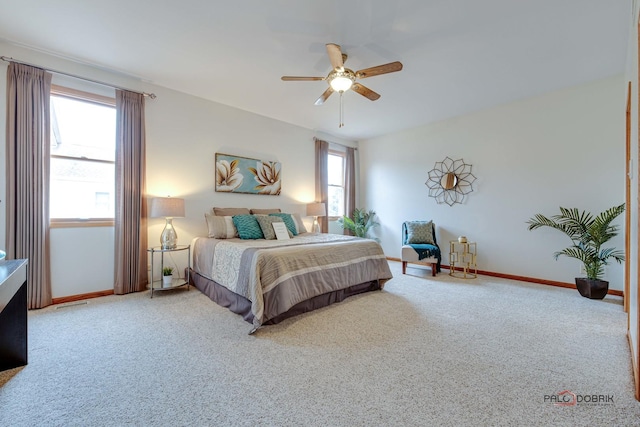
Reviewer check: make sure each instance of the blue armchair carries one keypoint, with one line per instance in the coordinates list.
(419, 245)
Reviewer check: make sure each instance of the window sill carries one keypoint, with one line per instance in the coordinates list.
(79, 223)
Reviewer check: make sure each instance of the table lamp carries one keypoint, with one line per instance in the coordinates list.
(315, 210)
(168, 208)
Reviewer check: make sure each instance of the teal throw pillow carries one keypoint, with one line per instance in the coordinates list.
(248, 227)
(420, 232)
(288, 221)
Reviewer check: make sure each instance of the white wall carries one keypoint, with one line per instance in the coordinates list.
(564, 148)
(183, 134)
(81, 260)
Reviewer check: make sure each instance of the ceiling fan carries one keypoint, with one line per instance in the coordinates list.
(341, 79)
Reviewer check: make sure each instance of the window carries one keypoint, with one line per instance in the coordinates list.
(336, 184)
(83, 139)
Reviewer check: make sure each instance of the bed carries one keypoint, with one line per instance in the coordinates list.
(268, 280)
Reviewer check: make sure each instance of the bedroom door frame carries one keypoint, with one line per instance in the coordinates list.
(627, 220)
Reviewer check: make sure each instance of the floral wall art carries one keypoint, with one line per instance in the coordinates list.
(236, 174)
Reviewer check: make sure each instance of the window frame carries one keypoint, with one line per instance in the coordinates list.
(343, 156)
(92, 98)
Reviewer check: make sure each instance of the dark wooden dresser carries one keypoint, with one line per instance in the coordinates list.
(13, 313)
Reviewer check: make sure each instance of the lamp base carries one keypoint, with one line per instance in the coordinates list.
(316, 226)
(169, 237)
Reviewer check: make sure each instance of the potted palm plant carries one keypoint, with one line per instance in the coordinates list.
(361, 223)
(167, 276)
(588, 234)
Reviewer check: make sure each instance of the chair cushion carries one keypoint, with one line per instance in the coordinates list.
(420, 232)
(427, 251)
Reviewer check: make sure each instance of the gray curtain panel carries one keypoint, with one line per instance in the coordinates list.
(28, 149)
(322, 180)
(131, 210)
(350, 184)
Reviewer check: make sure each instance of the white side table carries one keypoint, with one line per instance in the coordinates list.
(463, 256)
(156, 284)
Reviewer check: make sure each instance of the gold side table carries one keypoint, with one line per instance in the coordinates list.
(463, 257)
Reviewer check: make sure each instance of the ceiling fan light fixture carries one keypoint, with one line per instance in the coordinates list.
(341, 81)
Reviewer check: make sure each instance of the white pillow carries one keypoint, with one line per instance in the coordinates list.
(220, 227)
(297, 220)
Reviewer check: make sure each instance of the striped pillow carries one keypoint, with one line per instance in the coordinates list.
(220, 227)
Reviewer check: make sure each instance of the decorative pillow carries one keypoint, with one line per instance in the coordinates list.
(266, 224)
(230, 211)
(264, 211)
(300, 228)
(288, 220)
(420, 232)
(248, 227)
(220, 227)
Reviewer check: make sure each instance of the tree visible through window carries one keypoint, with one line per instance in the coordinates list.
(82, 177)
(336, 185)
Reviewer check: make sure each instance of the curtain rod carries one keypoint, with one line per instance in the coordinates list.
(9, 59)
(335, 143)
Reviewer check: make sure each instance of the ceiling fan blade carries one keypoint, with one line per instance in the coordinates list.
(380, 69)
(365, 91)
(324, 96)
(335, 55)
(300, 79)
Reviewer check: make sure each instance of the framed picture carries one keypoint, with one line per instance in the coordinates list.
(281, 230)
(236, 174)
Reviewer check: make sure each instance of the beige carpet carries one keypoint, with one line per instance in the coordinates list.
(441, 351)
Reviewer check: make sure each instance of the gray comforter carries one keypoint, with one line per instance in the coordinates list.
(275, 275)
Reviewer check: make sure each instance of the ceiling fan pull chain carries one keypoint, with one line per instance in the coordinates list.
(341, 110)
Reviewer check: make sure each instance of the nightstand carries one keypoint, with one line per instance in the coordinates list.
(157, 284)
(463, 256)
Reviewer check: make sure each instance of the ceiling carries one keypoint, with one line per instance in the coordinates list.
(458, 56)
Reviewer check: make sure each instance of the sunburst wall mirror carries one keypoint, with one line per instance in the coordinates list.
(450, 181)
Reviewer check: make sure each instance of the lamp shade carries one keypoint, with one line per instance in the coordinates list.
(316, 209)
(167, 207)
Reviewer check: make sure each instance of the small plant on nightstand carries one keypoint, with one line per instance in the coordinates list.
(167, 276)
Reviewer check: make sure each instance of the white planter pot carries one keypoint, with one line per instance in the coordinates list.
(166, 281)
